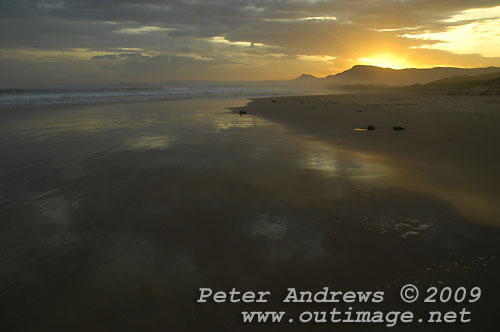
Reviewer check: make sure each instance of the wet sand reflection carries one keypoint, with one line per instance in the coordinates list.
(174, 196)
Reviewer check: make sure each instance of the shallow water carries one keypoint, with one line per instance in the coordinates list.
(112, 216)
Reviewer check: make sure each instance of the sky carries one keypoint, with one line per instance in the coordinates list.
(49, 43)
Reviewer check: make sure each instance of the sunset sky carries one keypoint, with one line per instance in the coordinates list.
(69, 42)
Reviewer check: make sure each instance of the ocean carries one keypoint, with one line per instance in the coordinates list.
(166, 91)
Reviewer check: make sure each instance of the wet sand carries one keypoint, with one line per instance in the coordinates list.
(112, 216)
(450, 148)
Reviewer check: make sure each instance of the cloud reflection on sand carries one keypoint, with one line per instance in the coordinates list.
(280, 239)
(335, 163)
(148, 141)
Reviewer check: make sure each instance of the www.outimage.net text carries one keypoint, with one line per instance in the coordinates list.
(408, 294)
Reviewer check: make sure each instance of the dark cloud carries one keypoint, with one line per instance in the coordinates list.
(136, 57)
(105, 57)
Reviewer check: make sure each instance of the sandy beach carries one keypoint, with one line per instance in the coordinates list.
(113, 216)
(449, 148)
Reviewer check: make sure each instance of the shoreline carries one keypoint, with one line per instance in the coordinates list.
(449, 146)
(106, 103)
(164, 98)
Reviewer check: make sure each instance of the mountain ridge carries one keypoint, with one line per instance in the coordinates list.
(373, 75)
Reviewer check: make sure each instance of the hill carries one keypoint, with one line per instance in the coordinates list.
(485, 84)
(372, 75)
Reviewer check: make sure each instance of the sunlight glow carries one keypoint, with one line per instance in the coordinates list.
(479, 37)
(223, 40)
(317, 58)
(384, 61)
(319, 18)
(476, 14)
(143, 29)
(303, 19)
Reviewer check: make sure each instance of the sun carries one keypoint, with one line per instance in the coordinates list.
(384, 61)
